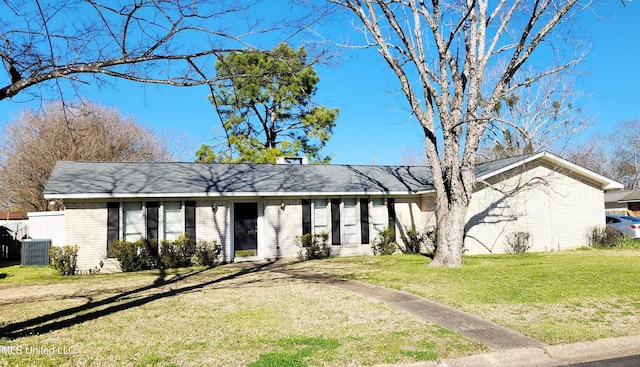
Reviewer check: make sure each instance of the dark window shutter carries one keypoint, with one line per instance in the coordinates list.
(364, 220)
(306, 216)
(190, 219)
(152, 220)
(335, 221)
(391, 210)
(113, 223)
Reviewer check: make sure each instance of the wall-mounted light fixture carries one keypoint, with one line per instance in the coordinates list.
(214, 208)
(282, 206)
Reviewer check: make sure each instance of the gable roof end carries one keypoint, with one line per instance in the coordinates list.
(605, 183)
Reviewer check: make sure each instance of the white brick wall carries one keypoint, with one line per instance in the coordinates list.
(409, 215)
(212, 224)
(85, 225)
(555, 208)
(280, 229)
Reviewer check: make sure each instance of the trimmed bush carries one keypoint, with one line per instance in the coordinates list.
(177, 253)
(135, 256)
(181, 252)
(313, 246)
(207, 253)
(518, 242)
(64, 259)
(385, 243)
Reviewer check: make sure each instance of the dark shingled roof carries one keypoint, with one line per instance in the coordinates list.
(157, 179)
(630, 197)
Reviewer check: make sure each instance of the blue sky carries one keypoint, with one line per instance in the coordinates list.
(374, 122)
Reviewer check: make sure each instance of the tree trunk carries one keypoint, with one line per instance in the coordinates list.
(451, 222)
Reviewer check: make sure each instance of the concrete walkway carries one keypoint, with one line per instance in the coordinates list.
(493, 336)
(508, 348)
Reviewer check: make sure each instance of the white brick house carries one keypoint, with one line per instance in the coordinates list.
(255, 211)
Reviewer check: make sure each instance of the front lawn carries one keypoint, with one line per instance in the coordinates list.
(224, 316)
(229, 316)
(556, 298)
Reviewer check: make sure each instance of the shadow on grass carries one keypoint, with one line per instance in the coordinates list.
(93, 310)
(7, 263)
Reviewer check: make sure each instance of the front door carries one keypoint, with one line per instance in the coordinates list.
(245, 221)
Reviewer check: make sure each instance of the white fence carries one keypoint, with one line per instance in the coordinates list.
(47, 225)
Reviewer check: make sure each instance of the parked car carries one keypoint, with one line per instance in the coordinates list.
(627, 225)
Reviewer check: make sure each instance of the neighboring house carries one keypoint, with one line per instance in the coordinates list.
(623, 202)
(256, 211)
(613, 203)
(13, 228)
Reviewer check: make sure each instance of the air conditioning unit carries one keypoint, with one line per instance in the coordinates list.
(35, 252)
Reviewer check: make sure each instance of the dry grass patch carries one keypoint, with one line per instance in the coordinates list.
(217, 317)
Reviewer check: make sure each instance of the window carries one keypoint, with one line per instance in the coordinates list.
(350, 221)
(306, 216)
(377, 216)
(364, 221)
(113, 223)
(190, 220)
(172, 220)
(391, 212)
(132, 212)
(335, 222)
(320, 216)
(152, 220)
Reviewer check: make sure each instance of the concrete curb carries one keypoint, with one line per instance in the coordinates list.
(550, 356)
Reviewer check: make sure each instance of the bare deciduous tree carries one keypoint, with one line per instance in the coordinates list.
(174, 42)
(543, 116)
(33, 143)
(592, 153)
(455, 60)
(625, 153)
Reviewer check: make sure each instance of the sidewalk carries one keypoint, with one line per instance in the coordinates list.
(508, 348)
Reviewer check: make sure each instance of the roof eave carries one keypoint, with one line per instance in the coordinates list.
(605, 183)
(84, 196)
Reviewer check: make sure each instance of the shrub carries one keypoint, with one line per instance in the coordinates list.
(313, 246)
(413, 241)
(431, 243)
(603, 236)
(518, 242)
(385, 243)
(177, 253)
(135, 256)
(64, 259)
(206, 253)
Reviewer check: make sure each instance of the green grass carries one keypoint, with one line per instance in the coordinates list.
(295, 352)
(16, 273)
(215, 317)
(246, 253)
(554, 297)
(228, 316)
